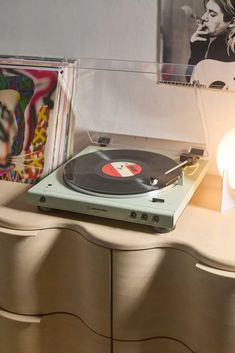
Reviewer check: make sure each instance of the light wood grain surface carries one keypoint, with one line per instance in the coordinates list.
(201, 230)
(56, 271)
(60, 333)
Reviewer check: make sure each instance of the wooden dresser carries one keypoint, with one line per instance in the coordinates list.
(70, 283)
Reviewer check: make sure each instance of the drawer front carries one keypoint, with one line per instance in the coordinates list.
(158, 345)
(60, 333)
(166, 293)
(55, 270)
(18, 233)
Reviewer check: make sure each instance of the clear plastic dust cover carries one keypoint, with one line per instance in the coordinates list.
(137, 104)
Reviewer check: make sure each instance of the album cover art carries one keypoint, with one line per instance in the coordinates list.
(26, 105)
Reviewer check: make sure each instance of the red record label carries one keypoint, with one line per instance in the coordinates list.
(121, 169)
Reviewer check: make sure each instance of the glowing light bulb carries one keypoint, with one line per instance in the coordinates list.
(226, 156)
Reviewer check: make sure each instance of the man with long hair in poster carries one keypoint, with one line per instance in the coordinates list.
(214, 37)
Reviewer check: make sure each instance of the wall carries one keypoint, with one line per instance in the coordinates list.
(120, 29)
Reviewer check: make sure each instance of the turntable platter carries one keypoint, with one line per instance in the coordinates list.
(119, 172)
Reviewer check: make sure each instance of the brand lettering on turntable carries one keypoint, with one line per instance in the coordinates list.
(121, 169)
(97, 209)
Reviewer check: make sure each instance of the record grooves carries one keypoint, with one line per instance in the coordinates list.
(119, 172)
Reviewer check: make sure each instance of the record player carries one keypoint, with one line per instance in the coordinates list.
(140, 146)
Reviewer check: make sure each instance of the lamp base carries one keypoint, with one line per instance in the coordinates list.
(228, 193)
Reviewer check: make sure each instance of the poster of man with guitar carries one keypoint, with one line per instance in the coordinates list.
(195, 30)
(214, 37)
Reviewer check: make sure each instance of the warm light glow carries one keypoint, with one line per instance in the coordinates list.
(231, 178)
(226, 156)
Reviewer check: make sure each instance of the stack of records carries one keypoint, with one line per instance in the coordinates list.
(35, 116)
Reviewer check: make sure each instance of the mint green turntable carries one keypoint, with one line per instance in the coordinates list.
(129, 165)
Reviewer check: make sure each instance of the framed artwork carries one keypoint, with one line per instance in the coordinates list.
(179, 20)
(192, 31)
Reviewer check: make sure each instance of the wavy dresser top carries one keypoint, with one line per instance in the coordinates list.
(201, 231)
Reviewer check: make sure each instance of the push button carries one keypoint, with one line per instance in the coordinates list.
(144, 217)
(155, 219)
(133, 215)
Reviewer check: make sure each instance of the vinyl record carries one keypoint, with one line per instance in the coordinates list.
(119, 172)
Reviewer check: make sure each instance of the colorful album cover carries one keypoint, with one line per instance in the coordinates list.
(193, 31)
(26, 105)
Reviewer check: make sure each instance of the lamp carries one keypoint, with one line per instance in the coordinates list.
(226, 166)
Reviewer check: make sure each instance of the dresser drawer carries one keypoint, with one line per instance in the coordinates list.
(157, 345)
(55, 270)
(60, 333)
(167, 293)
